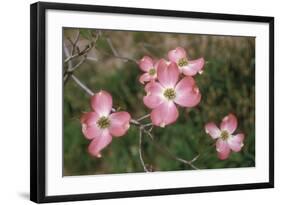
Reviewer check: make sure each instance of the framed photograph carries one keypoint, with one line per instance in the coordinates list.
(129, 102)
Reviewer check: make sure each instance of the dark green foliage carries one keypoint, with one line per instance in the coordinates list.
(227, 85)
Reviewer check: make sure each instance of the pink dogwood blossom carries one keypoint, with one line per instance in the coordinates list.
(100, 124)
(163, 96)
(186, 66)
(149, 66)
(226, 140)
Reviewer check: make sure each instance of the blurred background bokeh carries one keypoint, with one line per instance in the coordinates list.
(227, 85)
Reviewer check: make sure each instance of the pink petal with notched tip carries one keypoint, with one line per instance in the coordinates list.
(187, 94)
(99, 143)
(167, 75)
(119, 123)
(236, 142)
(176, 54)
(89, 126)
(154, 88)
(193, 67)
(222, 149)
(145, 78)
(102, 103)
(154, 95)
(229, 123)
(212, 130)
(146, 63)
(165, 114)
(152, 101)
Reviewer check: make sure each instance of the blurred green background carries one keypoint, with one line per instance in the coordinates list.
(227, 85)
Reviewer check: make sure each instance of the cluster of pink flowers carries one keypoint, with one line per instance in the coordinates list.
(170, 84)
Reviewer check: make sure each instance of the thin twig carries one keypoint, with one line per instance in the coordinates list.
(83, 53)
(143, 117)
(85, 50)
(67, 54)
(135, 122)
(168, 153)
(75, 42)
(140, 151)
(78, 64)
(115, 52)
(81, 85)
(148, 125)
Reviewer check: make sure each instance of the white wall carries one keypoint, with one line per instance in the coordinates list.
(14, 100)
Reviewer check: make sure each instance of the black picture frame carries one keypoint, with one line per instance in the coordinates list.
(38, 101)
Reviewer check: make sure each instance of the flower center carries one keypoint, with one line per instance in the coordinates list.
(103, 122)
(182, 62)
(170, 94)
(224, 135)
(152, 72)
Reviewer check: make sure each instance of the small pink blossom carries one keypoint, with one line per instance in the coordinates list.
(100, 125)
(163, 96)
(226, 140)
(186, 66)
(149, 66)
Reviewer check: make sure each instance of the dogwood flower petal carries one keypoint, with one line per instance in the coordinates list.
(187, 93)
(165, 114)
(176, 54)
(193, 67)
(102, 103)
(119, 123)
(145, 78)
(154, 88)
(235, 142)
(212, 130)
(167, 75)
(146, 63)
(152, 101)
(154, 95)
(99, 143)
(222, 149)
(89, 126)
(229, 123)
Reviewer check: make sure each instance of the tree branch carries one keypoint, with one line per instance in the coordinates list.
(169, 154)
(115, 53)
(143, 117)
(81, 85)
(140, 151)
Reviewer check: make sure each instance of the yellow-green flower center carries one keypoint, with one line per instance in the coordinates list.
(103, 122)
(170, 94)
(182, 62)
(224, 135)
(152, 71)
